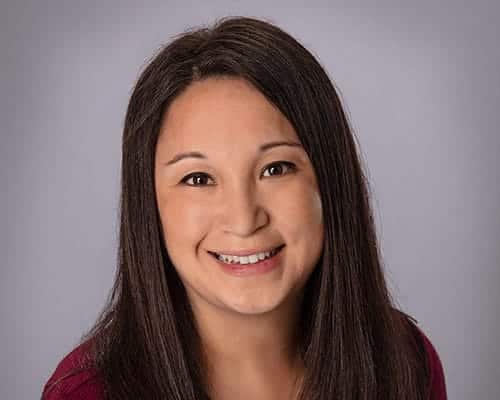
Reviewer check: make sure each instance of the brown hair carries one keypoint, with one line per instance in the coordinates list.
(355, 344)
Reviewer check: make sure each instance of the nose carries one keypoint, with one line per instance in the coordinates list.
(242, 211)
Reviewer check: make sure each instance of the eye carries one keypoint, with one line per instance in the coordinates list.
(198, 178)
(277, 167)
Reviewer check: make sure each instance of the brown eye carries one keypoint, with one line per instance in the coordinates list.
(197, 178)
(277, 168)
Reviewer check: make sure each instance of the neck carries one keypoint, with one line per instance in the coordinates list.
(250, 353)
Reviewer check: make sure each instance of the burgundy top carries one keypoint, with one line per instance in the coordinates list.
(85, 385)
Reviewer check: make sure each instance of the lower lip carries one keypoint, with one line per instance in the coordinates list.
(258, 268)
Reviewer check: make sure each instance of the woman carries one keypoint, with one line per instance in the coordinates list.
(248, 261)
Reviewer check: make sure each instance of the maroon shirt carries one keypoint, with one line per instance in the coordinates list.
(85, 385)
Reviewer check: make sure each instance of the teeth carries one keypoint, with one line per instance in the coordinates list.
(251, 259)
(243, 260)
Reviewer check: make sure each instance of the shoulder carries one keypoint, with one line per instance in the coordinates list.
(433, 362)
(436, 371)
(74, 378)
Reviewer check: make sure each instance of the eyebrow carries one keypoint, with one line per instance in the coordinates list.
(262, 148)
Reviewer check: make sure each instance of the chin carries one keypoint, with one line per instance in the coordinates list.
(254, 302)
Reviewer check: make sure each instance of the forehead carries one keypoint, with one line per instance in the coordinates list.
(221, 111)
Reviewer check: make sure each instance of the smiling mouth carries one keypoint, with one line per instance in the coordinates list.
(273, 252)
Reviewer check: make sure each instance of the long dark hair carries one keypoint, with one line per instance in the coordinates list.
(354, 343)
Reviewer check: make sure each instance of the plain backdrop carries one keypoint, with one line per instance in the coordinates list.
(420, 80)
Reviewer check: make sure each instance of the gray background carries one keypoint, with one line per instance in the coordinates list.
(420, 81)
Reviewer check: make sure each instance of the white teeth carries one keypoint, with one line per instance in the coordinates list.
(244, 260)
(251, 259)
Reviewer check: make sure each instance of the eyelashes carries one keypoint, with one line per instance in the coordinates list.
(288, 165)
(198, 177)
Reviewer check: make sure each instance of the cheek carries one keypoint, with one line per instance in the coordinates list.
(300, 217)
(182, 221)
(316, 208)
(299, 210)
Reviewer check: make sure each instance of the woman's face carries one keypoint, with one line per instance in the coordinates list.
(237, 194)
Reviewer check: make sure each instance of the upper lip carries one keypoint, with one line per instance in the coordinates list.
(245, 252)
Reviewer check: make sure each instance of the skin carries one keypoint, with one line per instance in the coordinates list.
(243, 200)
